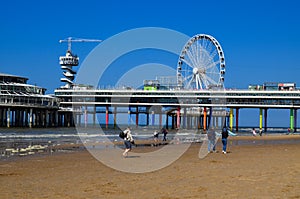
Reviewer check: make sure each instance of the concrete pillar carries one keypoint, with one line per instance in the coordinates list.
(137, 116)
(85, 117)
(3, 118)
(153, 118)
(94, 116)
(204, 119)
(266, 119)
(8, 118)
(231, 119)
(167, 121)
(178, 118)
(173, 121)
(292, 119)
(115, 117)
(129, 116)
(237, 119)
(147, 119)
(160, 119)
(260, 118)
(184, 118)
(295, 120)
(56, 118)
(79, 120)
(47, 118)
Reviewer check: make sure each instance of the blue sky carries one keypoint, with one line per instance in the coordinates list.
(260, 39)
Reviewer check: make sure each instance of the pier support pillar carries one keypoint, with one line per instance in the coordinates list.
(173, 122)
(204, 119)
(3, 120)
(292, 119)
(106, 117)
(153, 118)
(85, 117)
(167, 121)
(198, 121)
(115, 117)
(160, 119)
(129, 117)
(178, 118)
(26, 118)
(237, 119)
(94, 116)
(137, 116)
(79, 120)
(56, 118)
(147, 119)
(47, 118)
(184, 118)
(260, 118)
(210, 117)
(266, 120)
(15, 119)
(8, 118)
(295, 120)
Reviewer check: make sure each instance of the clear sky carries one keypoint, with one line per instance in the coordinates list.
(260, 38)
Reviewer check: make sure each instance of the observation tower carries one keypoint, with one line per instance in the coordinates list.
(67, 62)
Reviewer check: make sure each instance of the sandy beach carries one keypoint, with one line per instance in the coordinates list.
(261, 169)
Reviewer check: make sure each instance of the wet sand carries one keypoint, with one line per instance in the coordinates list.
(261, 169)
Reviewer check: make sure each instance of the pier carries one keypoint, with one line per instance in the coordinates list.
(188, 109)
(195, 99)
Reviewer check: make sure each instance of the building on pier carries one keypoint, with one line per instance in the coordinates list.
(25, 105)
(274, 86)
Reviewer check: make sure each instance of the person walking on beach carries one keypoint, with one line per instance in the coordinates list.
(155, 135)
(289, 131)
(224, 139)
(211, 135)
(128, 140)
(253, 132)
(260, 132)
(164, 132)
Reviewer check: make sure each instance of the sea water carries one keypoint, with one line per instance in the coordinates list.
(43, 139)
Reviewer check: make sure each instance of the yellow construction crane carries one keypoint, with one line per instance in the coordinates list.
(70, 40)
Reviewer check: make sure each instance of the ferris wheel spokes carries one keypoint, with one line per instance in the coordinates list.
(201, 63)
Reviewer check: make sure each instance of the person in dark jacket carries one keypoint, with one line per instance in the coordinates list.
(164, 131)
(128, 140)
(224, 139)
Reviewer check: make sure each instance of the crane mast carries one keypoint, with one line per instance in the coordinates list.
(69, 60)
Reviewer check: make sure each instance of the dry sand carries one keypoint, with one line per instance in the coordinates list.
(257, 170)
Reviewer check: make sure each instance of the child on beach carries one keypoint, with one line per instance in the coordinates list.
(127, 141)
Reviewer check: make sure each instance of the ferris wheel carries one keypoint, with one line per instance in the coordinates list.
(201, 64)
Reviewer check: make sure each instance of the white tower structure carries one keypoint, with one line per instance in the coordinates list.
(69, 60)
